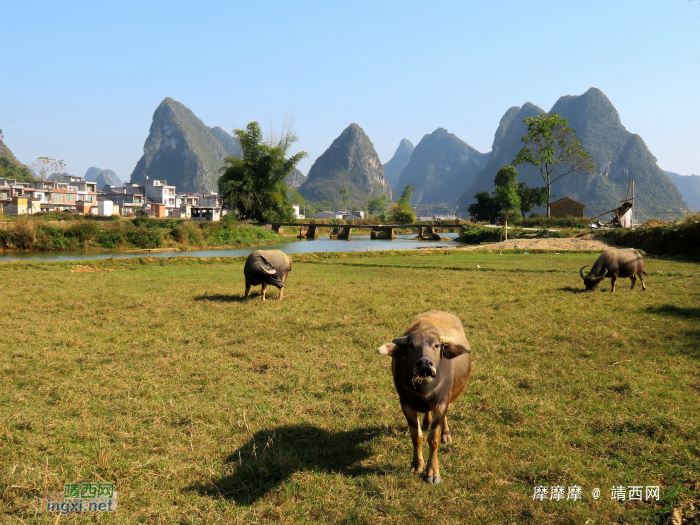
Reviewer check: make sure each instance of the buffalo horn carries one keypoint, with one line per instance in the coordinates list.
(602, 276)
(447, 340)
(581, 271)
(401, 341)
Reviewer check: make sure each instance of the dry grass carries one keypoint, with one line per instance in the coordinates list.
(205, 408)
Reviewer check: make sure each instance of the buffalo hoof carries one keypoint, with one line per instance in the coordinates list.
(417, 469)
(446, 438)
(432, 480)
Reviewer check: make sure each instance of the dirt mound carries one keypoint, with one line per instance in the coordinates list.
(655, 222)
(584, 244)
(83, 268)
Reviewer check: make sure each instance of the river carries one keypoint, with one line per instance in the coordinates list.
(357, 243)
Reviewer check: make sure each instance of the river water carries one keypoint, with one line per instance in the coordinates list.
(357, 243)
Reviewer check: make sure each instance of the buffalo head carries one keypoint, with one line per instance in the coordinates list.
(420, 355)
(591, 282)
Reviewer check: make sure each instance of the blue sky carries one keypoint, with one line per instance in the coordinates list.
(81, 80)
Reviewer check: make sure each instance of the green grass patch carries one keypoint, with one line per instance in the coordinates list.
(204, 407)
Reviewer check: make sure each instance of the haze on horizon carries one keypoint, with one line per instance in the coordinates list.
(82, 81)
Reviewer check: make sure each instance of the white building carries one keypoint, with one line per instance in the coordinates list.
(159, 191)
(105, 207)
(328, 215)
(297, 215)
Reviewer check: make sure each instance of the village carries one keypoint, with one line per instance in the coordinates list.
(75, 195)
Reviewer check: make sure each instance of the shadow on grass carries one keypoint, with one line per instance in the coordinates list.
(693, 349)
(571, 289)
(223, 298)
(675, 311)
(273, 456)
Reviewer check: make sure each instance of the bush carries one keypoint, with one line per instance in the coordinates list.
(144, 237)
(401, 215)
(681, 238)
(556, 222)
(474, 234)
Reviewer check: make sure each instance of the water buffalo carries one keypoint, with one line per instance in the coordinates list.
(615, 263)
(431, 366)
(267, 267)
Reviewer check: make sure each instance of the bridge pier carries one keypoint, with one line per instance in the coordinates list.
(278, 228)
(382, 233)
(334, 232)
(311, 232)
(344, 234)
(427, 233)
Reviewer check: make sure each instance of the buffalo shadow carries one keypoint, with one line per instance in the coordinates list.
(223, 298)
(273, 456)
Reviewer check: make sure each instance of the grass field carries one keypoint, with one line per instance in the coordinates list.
(205, 408)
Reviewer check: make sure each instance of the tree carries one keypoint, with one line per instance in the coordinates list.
(344, 196)
(506, 193)
(406, 194)
(46, 166)
(485, 209)
(553, 147)
(401, 215)
(532, 197)
(377, 206)
(253, 185)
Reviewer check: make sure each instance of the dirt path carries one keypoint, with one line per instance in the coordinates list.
(588, 243)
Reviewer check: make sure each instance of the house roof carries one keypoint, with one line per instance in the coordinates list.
(569, 198)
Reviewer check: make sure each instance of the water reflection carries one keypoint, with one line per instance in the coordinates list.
(357, 243)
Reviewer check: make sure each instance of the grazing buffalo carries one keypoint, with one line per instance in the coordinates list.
(615, 263)
(267, 267)
(431, 366)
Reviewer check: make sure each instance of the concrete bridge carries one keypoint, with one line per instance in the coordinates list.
(342, 232)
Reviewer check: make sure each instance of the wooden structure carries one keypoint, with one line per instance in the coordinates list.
(623, 216)
(566, 207)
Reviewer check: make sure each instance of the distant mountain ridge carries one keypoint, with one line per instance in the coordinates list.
(620, 155)
(689, 186)
(102, 177)
(350, 160)
(10, 167)
(295, 179)
(394, 168)
(182, 150)
(442, 167)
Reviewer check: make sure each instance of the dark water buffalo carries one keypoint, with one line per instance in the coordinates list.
(615, 263)
(267, 267)
(431, 366)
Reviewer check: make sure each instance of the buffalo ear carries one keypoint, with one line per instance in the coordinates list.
(455, 349)
(391, 349)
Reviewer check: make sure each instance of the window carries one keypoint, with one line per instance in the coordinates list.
(57, 197)
(70, 197)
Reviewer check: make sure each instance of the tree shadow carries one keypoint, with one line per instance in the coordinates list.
(273, 456)
(675, 311)
(693, 349)
(223, 298)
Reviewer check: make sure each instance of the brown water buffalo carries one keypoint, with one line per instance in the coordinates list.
(431, 366)
(614, 263)
(267, 267)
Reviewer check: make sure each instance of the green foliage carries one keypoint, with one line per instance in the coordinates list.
(401, 215)
(12, 170)
(532, 197)
(485, 209)
(377, 206)
(506, 193)
(406, 194)
(253, 185)
(344, 195)
(475, 234)
(553, 147)
(555, 222)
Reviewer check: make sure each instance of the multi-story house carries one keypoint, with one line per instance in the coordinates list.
(159, 192)
(127, 202)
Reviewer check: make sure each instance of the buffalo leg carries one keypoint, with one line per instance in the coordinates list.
(427, 420)
(264, 289)
(247, 288)
(634, 280)
(416, 437)
(641, 279)
(281, 294)
(613, 281)
(432, 472)
(446, 437)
